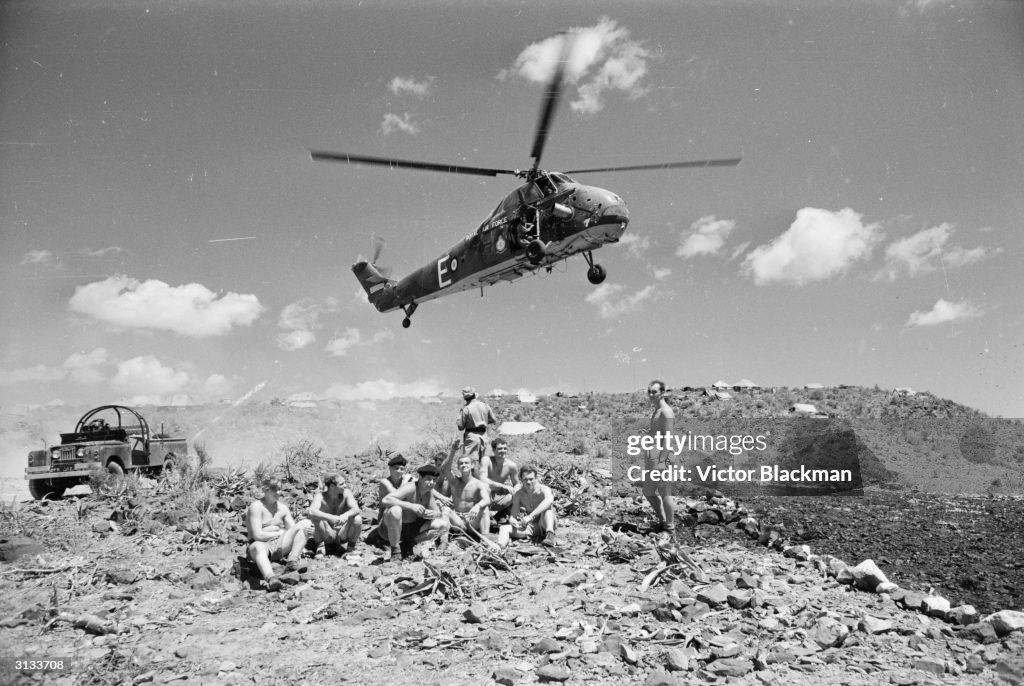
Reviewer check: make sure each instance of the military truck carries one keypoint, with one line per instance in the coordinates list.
(111, 437)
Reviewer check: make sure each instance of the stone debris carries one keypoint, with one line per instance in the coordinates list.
(779, 614)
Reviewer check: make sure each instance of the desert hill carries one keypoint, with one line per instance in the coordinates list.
(916, 441)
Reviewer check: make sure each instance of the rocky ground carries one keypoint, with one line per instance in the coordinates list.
(130, 597)
(967, 548)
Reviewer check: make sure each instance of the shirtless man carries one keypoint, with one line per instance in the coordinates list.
(389, 484)
(335, 517)
(659, 493)
(413, 515)
(501, 476)
(537, 501)
(470, 499)
(273, 534)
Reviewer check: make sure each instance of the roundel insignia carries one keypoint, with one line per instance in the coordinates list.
(455, 264)
(500, 244)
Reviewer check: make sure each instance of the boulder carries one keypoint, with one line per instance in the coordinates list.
(963, 615)
(714, 595)
(20, 546)
(874, 625)
(935, 606)
(553, 672)
(1005, 621)
(827, 632)
(731, 667)
(867, 576)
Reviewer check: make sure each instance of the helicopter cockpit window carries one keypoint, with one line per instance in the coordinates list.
(546, 186)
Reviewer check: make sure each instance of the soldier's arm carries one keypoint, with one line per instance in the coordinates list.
(315, 512)
(549, 499)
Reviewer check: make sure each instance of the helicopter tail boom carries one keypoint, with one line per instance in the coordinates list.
(379, 289)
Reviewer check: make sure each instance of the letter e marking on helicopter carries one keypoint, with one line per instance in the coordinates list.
(442, 269)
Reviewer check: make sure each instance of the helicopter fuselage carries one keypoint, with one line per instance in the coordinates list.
(566, 218)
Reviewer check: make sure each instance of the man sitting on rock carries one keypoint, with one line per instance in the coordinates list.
(413, 515)
(273, 534)
(537, 501)
(389, 484)
(469, 511)
(335, 516)
(502, 478)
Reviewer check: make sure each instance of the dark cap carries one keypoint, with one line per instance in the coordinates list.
(429, 470)
(397, 460)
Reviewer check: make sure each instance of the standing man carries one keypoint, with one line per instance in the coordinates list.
(472, 422)
(659, 493)
(335, 516)
(501, 476)
(273, 534)
(537, 501)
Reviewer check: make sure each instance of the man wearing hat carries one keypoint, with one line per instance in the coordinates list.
(472, 422)
(413, 515)
(396, 478)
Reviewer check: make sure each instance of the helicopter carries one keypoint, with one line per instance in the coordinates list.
(549, 218)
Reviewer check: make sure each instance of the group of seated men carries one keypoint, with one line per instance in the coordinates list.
(462, 491)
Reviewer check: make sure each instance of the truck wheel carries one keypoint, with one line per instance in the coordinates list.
(41, 489)
(115, 468)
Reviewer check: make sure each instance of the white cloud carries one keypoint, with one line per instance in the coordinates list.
(146, 375)
(190, 310)
(819, 245)
(300, 319)
(382, 390)
(603, 59)
(340, 346)
(660, 273)
(635, 244)
(102, 252)
(408, 84)
(707, 236)
(217, 386)
(927, 251)
(383, 335)
(295, 340)
(83, 366)
(944, 311)
(611, 301)
(41, 257)
(395, 122)
(37, 374)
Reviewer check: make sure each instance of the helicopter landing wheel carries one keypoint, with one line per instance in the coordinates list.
(408, 309)
(596, 274)
(536, 250)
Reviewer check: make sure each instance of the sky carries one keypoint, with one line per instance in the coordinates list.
(165, 233)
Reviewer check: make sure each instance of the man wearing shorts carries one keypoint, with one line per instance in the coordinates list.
(659, 493)
(470, 500)
(335, 517)
(537, 502)
(273, 534)
(501, 476)
(413, 515)
(472, 422)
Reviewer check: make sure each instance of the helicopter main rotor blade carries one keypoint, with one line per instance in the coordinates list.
(728, 162)
(322, 156)
(552, 95)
